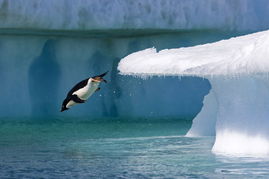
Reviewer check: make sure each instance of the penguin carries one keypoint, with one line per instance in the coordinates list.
(82, 91)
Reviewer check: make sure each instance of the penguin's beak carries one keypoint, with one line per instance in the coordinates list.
(63, 109)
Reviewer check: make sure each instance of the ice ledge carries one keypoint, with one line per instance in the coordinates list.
(237, 107)
(234, 57)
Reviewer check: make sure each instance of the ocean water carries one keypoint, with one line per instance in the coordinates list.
(112, 148)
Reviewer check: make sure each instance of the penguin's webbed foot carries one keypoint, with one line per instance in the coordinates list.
(97, 89)
(76, 99)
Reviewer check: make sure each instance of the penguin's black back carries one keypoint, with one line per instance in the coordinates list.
(82, 84)
(78, 86)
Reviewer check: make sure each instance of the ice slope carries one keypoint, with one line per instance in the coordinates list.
(237, 107)
(139, 14)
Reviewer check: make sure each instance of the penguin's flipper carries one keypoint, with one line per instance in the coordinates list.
(76, 99)
(97, 89)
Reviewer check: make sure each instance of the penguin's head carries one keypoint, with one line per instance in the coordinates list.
(64, 105)
(98, 79)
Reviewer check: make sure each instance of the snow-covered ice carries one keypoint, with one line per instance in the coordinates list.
(237, 56)
(237, 107)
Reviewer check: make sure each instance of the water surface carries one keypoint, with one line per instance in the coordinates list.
(114, 149)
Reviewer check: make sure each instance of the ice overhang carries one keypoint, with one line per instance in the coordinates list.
(242, 55)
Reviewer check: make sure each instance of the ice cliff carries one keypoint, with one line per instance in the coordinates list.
(36, 73)
(140, 14)
(237, 107)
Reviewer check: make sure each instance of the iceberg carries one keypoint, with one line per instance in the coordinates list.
(242, 15)
(236, 109)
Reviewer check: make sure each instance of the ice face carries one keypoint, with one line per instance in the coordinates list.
(237, 107)
(205, 122)
(243, 115)
(139, 14)
(36, 72)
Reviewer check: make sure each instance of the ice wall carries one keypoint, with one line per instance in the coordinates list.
(36, 72)
(139, 14)
(243, 115)
(237, 107)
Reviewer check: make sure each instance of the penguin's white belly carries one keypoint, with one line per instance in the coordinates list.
(85, 92)
(70, 103)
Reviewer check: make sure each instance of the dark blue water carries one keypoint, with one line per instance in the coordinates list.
(68, 148)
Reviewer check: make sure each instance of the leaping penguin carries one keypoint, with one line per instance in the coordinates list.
(82, 91)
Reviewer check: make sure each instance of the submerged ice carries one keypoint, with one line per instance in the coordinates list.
(237, 108)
